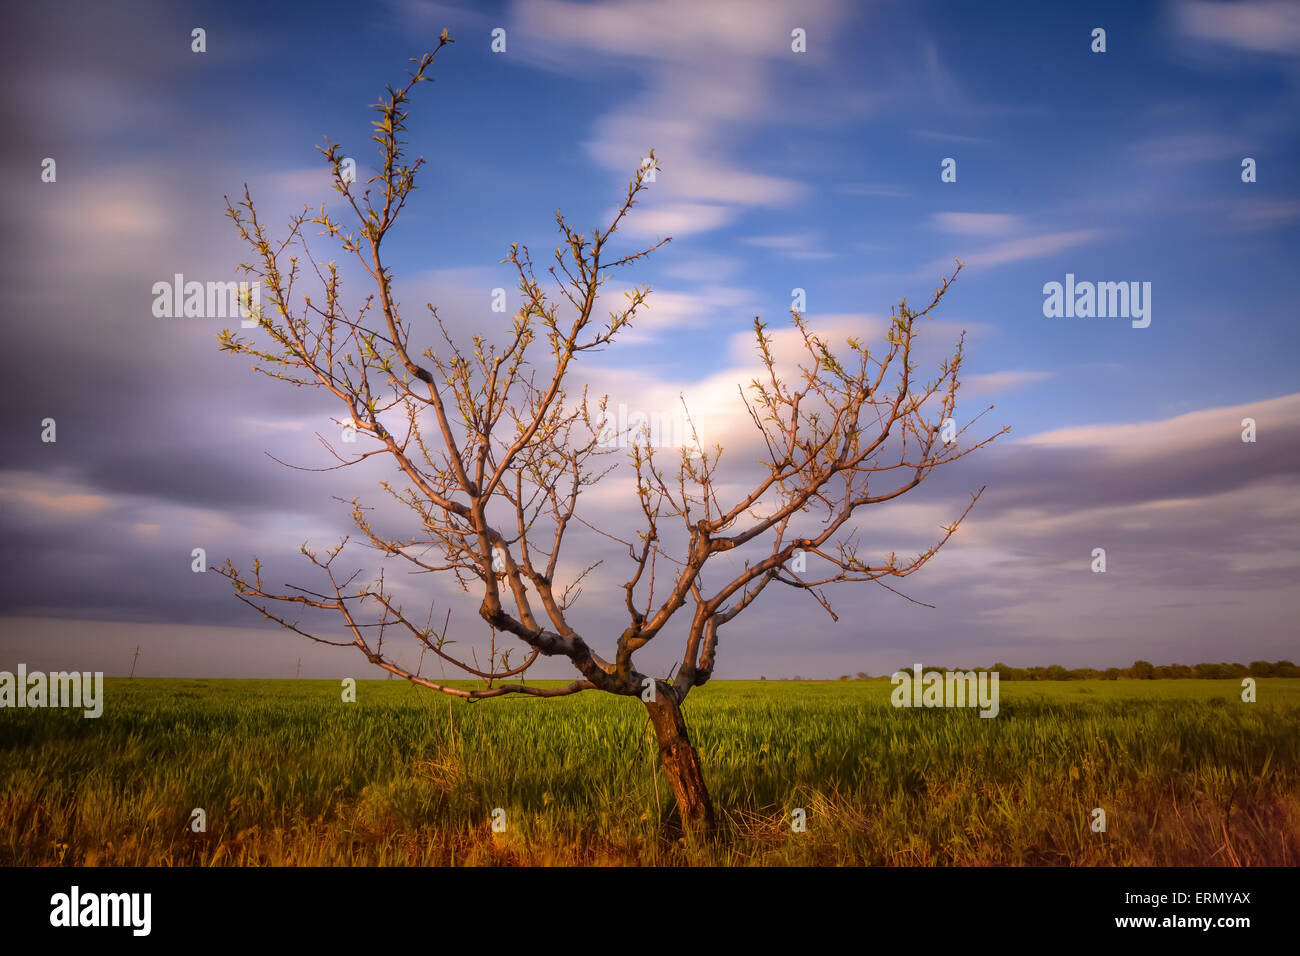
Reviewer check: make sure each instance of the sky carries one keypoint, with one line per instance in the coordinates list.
(817, 170)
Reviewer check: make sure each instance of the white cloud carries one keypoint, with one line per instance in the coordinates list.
(704, 70)
(667, 309)
(673, 219)
(787, 345)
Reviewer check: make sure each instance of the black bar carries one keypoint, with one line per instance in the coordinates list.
(309, 905)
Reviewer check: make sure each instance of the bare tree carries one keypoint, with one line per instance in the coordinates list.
(494, 455)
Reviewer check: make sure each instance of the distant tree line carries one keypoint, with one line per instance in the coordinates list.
(1145, 670)
(1141, 670)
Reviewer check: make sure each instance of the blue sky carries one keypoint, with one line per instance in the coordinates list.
(780, 170)
(1116, 166)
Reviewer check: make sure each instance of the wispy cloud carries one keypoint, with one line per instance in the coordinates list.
(991, 383)
(1017, 250)
(1265, 213)
(1261, 26)
(949, 137)
(882, 190)
(1188, 148)
(800, 245)
(975, 223)
(1198, 429)
(52, 497)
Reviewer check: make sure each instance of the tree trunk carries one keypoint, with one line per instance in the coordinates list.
(680, 763)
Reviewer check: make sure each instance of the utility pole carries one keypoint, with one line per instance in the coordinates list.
(134, 659)
(298, 672)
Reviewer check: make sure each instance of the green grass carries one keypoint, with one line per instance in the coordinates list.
(289, 775)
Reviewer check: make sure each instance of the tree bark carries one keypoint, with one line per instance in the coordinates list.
(681, 765)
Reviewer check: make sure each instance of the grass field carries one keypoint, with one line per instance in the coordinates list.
(288, 775)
